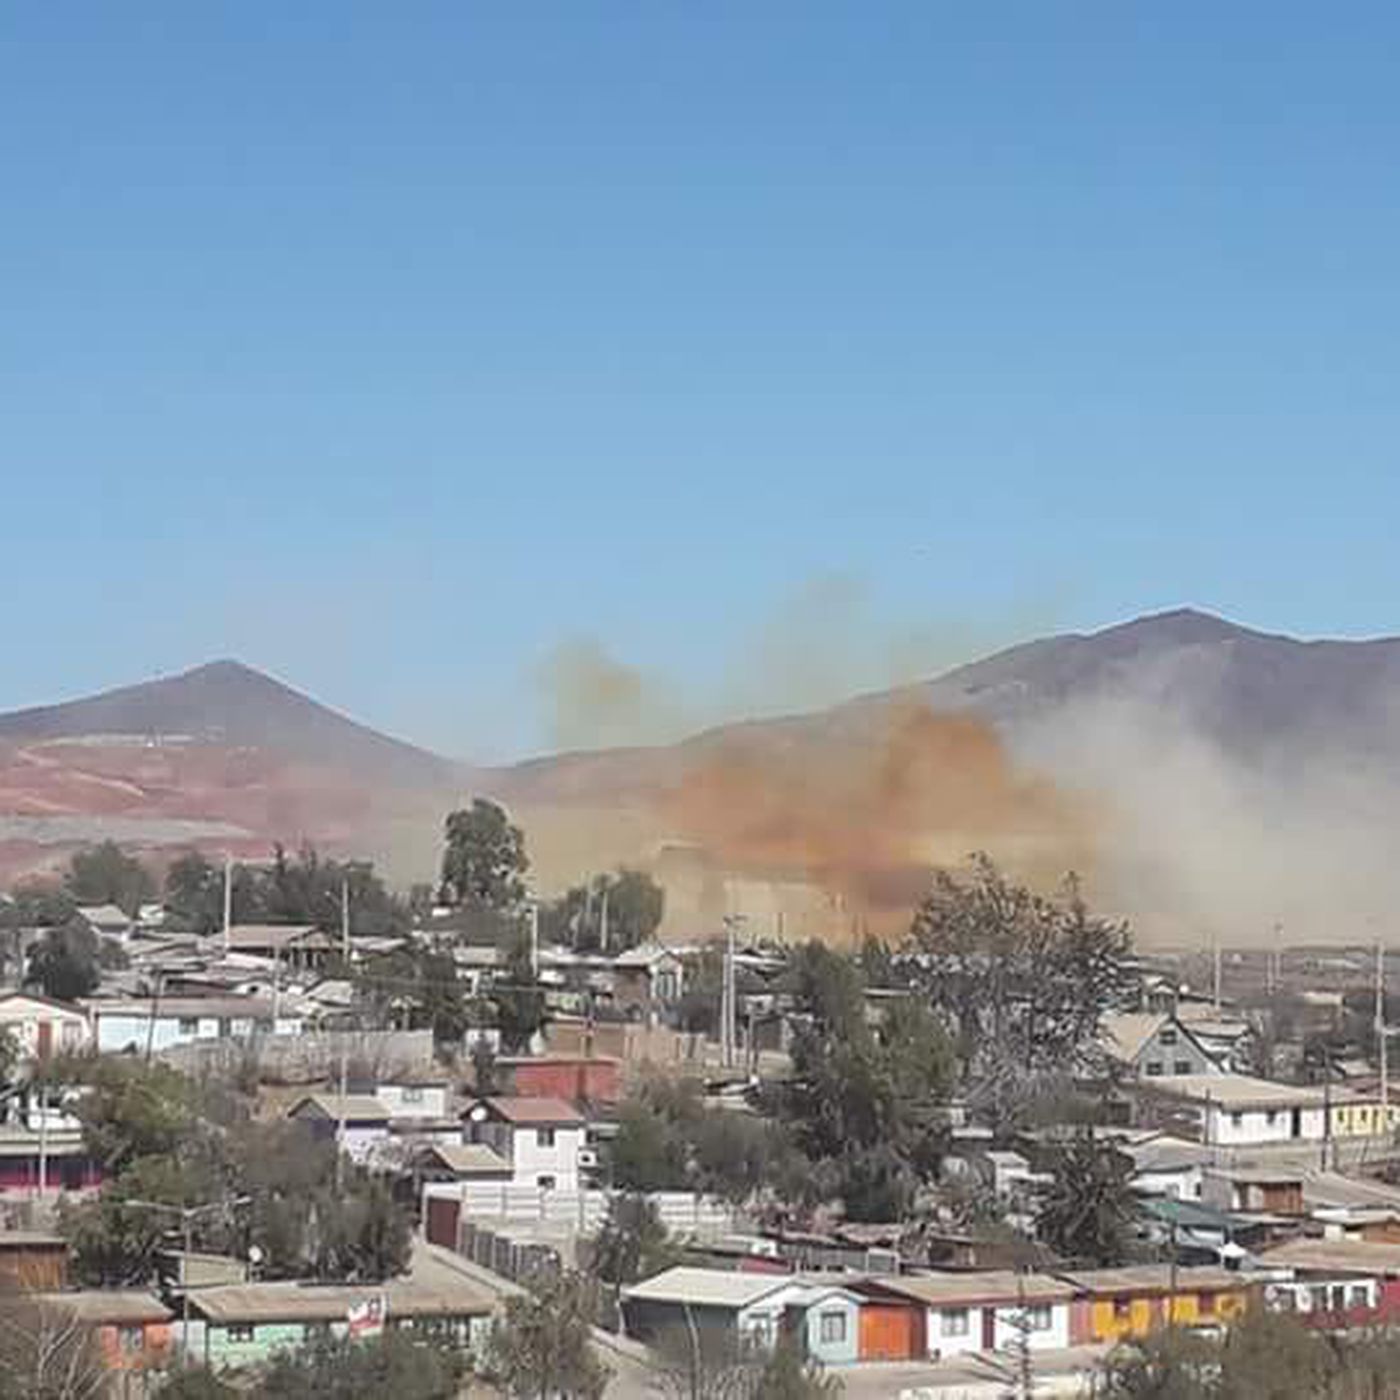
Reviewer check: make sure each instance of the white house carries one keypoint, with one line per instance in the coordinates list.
(1164, 1165)
(405, 1100)
(989, 1311)
(751, 1307)
(1154, 1044)
(365, 1119)
(42, 1026)
(1235, 1110)
(542, 1139)
(107, 921)
(132, 1023)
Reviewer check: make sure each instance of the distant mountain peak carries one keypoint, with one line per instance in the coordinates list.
(1184, 626)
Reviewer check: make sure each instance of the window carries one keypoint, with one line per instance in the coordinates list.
(1122, 1308)
(1206, 1304)
(955, 1322)
(1038, 1318)
(1271, 1117)
(130, 1338)
(1236, 1119)
(411, 1095)
(239, 1334)
(1182, 1067)
(189, 1025)
(1154, 1066)
(544, 1137)
(1360, 1296)
(545, 1183)
(833, 1326)
(1167, 1036)
(315, 1331)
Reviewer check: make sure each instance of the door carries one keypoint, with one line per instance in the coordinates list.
(888, 1332)
(45, 1039)
(989, 1329)
(1296, 1125)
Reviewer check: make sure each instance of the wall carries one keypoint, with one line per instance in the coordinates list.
(1171, 1054)
(155, 1351)
(529, 1160)
(586, 1209)
(569, 1080)
(67, 1031)
(1009, 1331)
(1183, 1184)
(832, 1353)
(312, 1056)
(398, 1099)
(1105, 1320)
(1255, 1126)
(1363, 1119)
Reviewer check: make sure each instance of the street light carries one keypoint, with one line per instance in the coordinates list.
(187, 1215)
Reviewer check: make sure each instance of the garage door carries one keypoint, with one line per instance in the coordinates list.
(890, 1332)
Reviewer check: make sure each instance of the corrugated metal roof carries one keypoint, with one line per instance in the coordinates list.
(245, 1303)
(1153, 1278)
(1340, 1256)
(531, 1112)
(360, 1108)
(470, 1159)
(707, 1288)
(994, 1285)
(109, 1305)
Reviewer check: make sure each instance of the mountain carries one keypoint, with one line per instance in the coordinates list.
(228, 704)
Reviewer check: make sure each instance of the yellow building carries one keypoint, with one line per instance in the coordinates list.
(1112, 1305)
(1361, 1115)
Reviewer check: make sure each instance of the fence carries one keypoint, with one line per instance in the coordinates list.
(681, 1212)
(303, 1059)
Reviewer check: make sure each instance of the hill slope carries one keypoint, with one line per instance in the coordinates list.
(231, 705)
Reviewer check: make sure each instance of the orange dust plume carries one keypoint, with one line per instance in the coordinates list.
(868, 813)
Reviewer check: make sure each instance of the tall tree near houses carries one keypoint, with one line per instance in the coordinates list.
(106, 874)
(484, 862)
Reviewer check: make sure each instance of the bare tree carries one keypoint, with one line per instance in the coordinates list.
(47, 1352)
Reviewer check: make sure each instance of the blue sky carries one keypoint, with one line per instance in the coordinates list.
(393, 348)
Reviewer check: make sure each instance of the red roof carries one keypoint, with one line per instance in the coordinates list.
(544, 1112)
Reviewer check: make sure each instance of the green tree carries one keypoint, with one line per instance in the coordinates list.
(1086, 1212)
(788, 1375)
(361, 1233)
(64, 964)
(648, 1152)
(393, 1364)
(105, 874)
(632, 1242)
(542, 1347)
(195, 1383)
(484, 862)
(616, 912)
(417, 988)
(519, 1000)
(37, 905)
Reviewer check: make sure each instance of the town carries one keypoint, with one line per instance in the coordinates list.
(270, 1127)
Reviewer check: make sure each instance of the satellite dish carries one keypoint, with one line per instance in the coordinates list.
(478, 1114)
(255, 1254)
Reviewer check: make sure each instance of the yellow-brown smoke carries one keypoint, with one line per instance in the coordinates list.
(868, 816)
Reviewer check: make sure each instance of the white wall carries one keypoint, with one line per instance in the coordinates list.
(1007, 1331)
(1183, 1183)
(69, 1030)
(530, 1161)
(1254, 1126)
(431, 1100)
(117, 1030)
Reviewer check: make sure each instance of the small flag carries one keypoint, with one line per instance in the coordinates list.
(367, 1319)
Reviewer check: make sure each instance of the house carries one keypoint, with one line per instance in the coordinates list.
(909, 1316)
(1226, 1038)
(245, 1324)
(289, 945)
(462, 1161)
(751, 1309)
(542, 1139)
(132, 1327)
(574, 1078)
(1334, 1283)
(1272, 1190)
(647, 978)
(1112, 1305)
(36, 1161)
(42, 1026)
(1153, 1044)
(409, 1100)
(1234, 1110)
(1164, 1165)
(33, 1260)
(135, 1023)
(1357, 1112)
(107, 921)
(359, 1122)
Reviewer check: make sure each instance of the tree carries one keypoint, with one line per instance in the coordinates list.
(787, 1375)
(1025, 980)
(612, 912)
(632, 1243)
(1087, 1209)
(64, 964)
(105, 874)
(542, 1347)
(484, 862)
(37, 905)
(416, 988)
(47, 1352)
(362, 1235)
(195, 1383)
(394, 1363)
(519, 1000)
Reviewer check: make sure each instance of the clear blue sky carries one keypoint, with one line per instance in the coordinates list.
(389, 347)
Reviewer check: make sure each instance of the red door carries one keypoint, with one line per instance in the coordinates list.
(989, 1329)
(45, 1039)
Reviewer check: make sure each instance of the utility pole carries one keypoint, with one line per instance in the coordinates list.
(345, 918)
(603, 922)
(534, 938)
(1382, 1035)
(344, 1038)
(1216, 978)
(228, 900)
(729, 1000)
